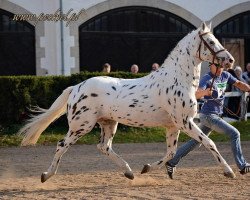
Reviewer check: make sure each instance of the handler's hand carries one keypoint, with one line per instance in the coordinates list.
(200, 93)
(208, 92)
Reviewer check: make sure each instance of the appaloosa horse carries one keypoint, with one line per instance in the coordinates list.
(163, 98)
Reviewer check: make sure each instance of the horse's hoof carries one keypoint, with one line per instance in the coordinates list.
(145, 169)
(129, 175)
(229, 174)
(43, 177)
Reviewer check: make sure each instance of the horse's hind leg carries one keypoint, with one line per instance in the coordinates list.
(108, 130)
(172, 136)
(62, 147)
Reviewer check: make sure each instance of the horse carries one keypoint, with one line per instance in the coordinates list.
(163, 98)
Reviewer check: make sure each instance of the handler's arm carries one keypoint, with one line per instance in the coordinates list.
(201, 93)
(242, 86)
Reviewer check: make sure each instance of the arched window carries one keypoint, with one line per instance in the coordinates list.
(17, 44)
(137, 19)
(129, 35)
(234, 33)
(238, 24)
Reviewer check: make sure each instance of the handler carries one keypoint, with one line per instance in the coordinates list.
(212, 87)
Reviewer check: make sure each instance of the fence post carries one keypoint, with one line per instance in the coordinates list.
(243, 102)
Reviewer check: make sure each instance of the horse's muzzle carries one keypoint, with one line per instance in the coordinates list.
(225, 62)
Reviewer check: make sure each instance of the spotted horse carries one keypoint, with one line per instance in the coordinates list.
(164, 98)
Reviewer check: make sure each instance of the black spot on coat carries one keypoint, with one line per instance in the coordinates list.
(132, 87)
(183, 104)
(94, 95)
(74, 108)
(190, 126)
(61, 143)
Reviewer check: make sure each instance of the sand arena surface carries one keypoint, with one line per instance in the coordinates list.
(84, 173)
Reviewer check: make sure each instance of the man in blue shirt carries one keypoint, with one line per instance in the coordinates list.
(212, 87)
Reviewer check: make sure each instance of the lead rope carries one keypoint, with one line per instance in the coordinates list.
(213, 79)
(227, 109)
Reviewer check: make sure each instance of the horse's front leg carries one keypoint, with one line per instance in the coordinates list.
(172, 135)
(194, 131)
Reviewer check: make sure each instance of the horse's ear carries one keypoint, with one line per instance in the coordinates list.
(203, 26)
(210, 25)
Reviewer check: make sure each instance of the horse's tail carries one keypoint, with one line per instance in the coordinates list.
(34, 128)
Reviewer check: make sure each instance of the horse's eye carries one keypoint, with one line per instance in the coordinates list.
(212, 42)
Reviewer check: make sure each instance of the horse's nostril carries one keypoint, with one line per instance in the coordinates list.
(231, 60)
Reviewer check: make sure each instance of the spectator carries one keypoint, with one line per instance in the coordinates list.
(246, 74)
(106, 68)
(233, 103)
(155, 66)
(238, 73)
(230, 87)
(134, 69)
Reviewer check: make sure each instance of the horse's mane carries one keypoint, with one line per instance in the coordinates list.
(182, 44)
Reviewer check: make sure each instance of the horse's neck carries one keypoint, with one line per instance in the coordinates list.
(188, 69)
(182, 64)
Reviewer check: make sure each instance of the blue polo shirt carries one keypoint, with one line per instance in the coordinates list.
(210, 106)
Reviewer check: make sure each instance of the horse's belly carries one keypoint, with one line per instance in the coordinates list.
(143, 119)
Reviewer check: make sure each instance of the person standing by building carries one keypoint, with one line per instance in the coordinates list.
(134, 69)
(106, 68)
(238, 72)
(155, 66)
(246, 74)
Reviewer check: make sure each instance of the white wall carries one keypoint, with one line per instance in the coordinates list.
(206, 9)
(52, 62)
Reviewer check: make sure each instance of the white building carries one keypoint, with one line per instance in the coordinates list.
(121, 32)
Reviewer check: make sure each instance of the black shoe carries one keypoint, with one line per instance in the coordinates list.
(170, 170)
(245, 170)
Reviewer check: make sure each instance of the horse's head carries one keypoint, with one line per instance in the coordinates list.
(211, 50)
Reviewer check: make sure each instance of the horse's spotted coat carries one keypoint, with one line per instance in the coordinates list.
(141, 102)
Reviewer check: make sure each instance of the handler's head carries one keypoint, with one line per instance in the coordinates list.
(216, 70)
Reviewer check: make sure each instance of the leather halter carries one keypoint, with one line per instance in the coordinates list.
(211, 50)
(206, 44)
